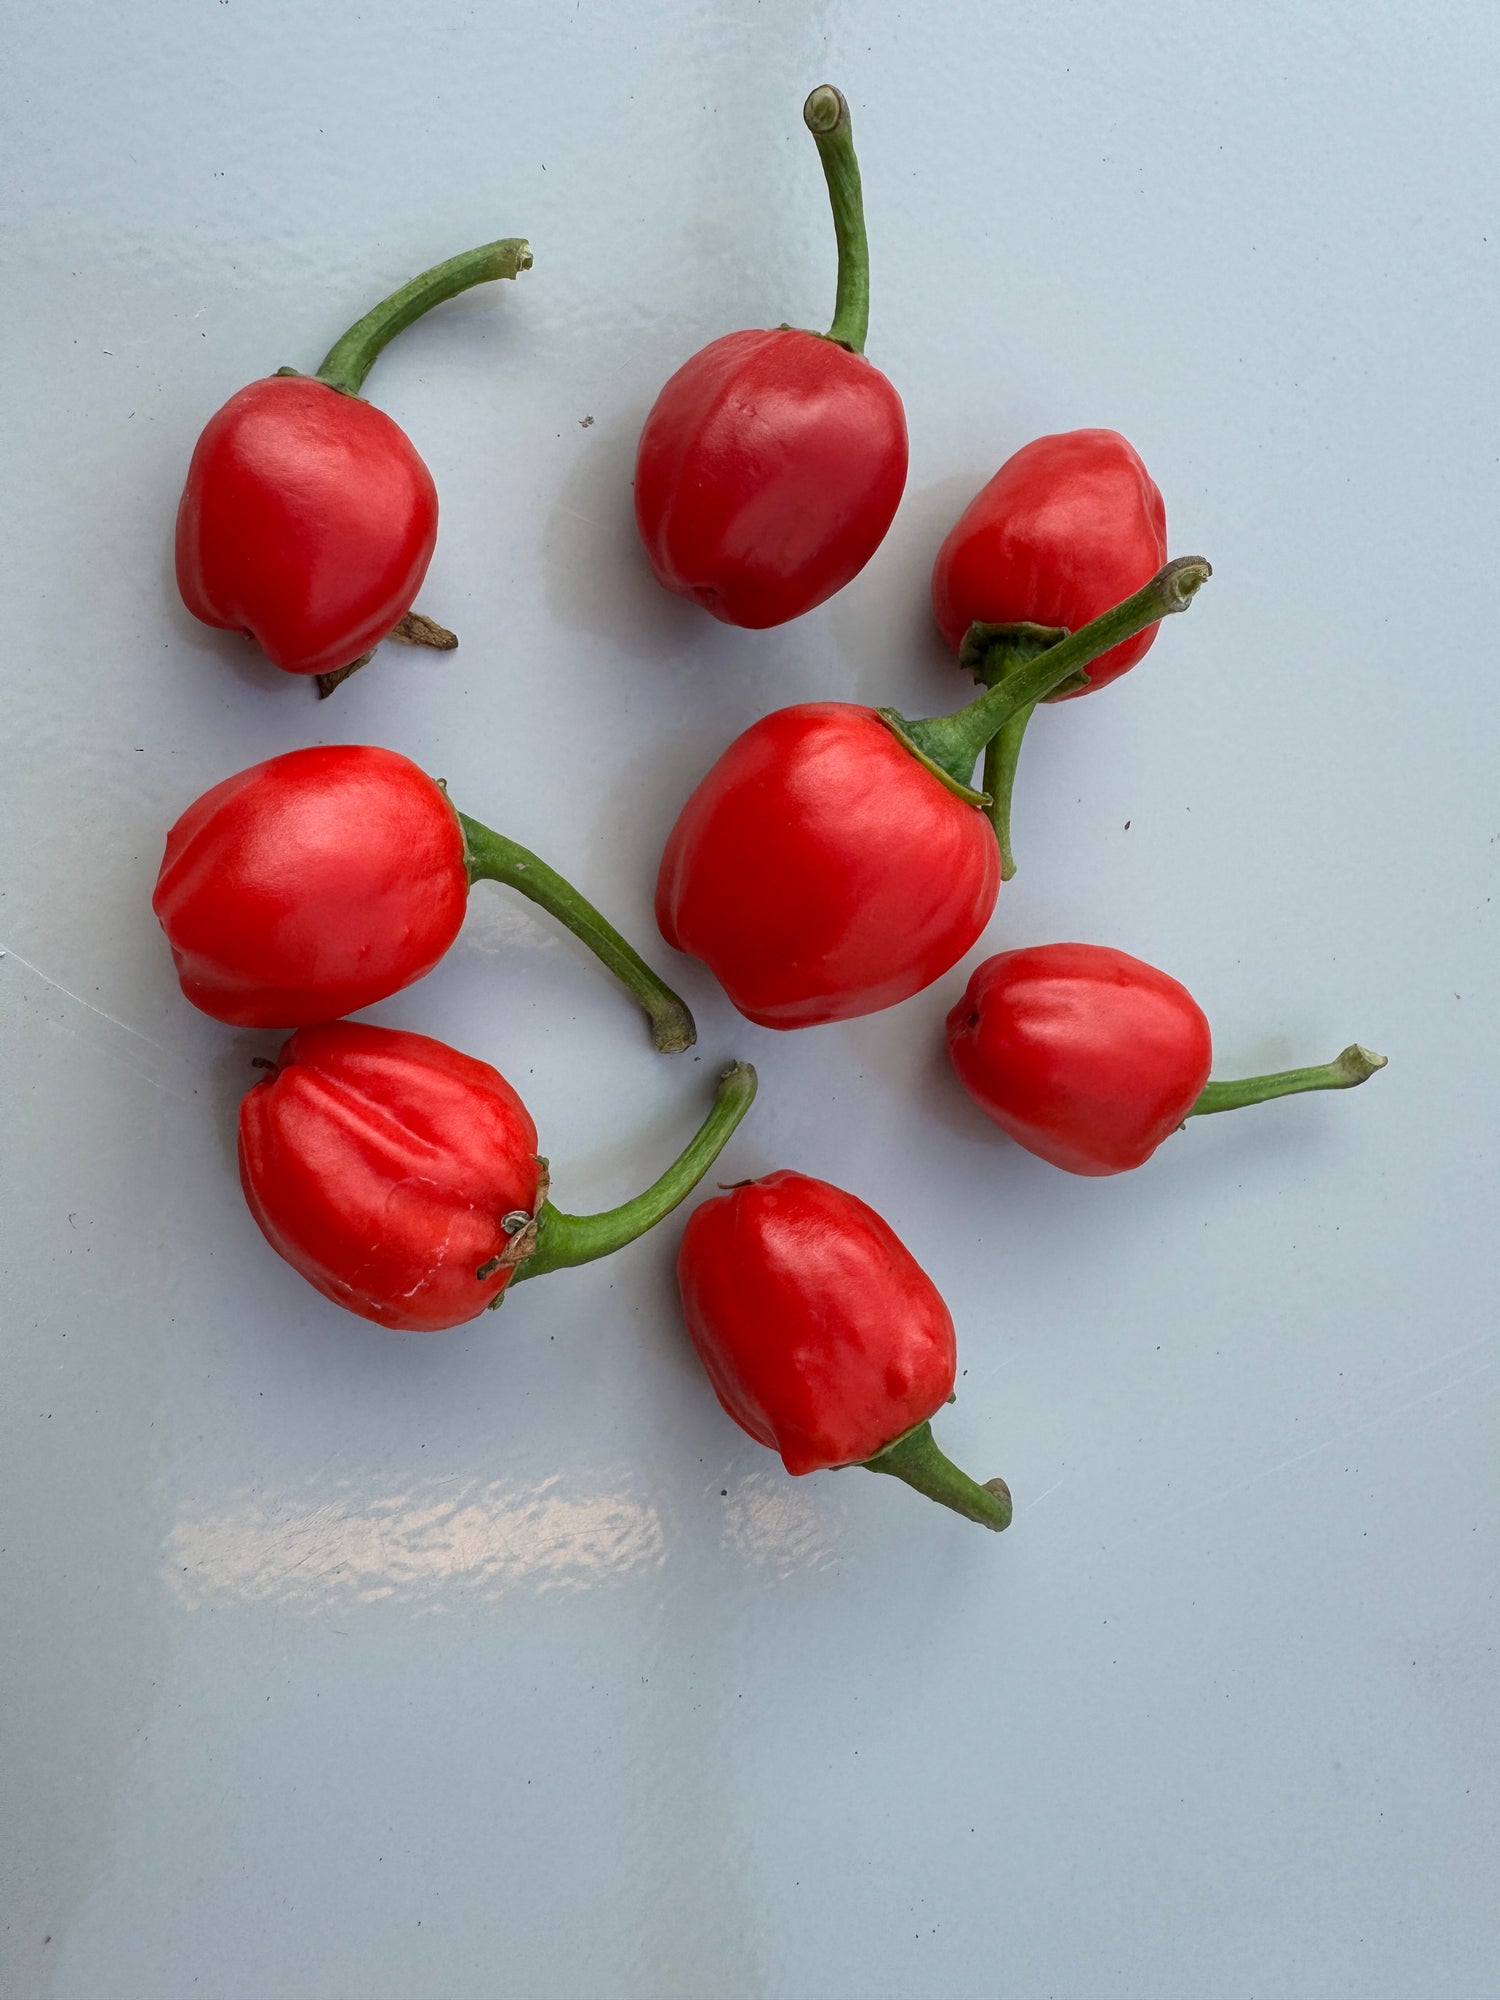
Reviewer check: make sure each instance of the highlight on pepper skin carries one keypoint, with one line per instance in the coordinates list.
(383, 1165)
(1090, 1058)
(836, 859)
(821, 872)
(1069, 525)
(326, 879)
(772, 463)
(823, 1337)
(308, 519)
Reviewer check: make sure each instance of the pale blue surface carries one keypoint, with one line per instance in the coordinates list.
(498, 1666)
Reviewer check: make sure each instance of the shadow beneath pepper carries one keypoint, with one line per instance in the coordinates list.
(232, 1074)
(883, 619)
(213, 646)
(209, 646)
(595, 574)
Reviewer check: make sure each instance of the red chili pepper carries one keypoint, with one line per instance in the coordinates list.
(401, 1178)
(823, 1336)
(1090, 1058)
(773, 462)
(308, 519)
(835, 859)
(1066, 528)
(326, 879)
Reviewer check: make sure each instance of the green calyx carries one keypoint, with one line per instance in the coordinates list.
(900, 728)
(826, 115)
(917, 1458)
(351, 358)
(1024, 675)
(491, 857)
(1351, 1067)
(552, 1240)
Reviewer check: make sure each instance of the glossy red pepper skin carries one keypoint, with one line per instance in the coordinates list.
(308, 521)
(822, 872)
(822, 1335)
(1085, 1056)
(1069, 526)
(311, 885)
(770, 467)
(381, 1164)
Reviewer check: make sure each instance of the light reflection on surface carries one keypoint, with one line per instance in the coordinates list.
(440, 1543)
(498, 923)
(783, 1523)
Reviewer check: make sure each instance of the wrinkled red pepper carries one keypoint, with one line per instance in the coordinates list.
(308, 519)
(772, 463)
(326, 879)
(1090, 1058)
(1067, 527)
(835, 859)
(401, 1178)
(824, 1338)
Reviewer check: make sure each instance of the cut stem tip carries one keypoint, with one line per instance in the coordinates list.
(917, 1458)
(493, 857)
(825, 109)
(826, 116)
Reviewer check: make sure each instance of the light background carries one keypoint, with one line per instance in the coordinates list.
(498, 1665)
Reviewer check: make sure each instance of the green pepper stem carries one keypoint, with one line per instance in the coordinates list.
(562, 1239)
(493, 858)
(351, 358)
(1353, 1066)
(826, 116)
(917, 1458)
(954, 742)
(1001, 755)
(990, 653)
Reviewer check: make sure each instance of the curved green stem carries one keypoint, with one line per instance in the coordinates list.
(350, 359)
(917, 1459)
(990, 653)
(826, 116)
(954, 742)
(1353, 1066)
(1001, 754)
(493, 858)
(578, 1239)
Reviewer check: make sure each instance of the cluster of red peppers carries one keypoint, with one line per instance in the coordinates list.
(834, 861)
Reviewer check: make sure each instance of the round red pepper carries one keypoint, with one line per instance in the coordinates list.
(772, 463)
(401, 1178)
(1067, 527)
(308, 519)
(823, 1337)
(822, 871)
(329, 878)
(1090, 1058)
(835, 861)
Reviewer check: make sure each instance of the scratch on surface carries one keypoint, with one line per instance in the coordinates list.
(1042, 1496)
(1474, 1402)
(1424, 1367)
(6, 952)
(586, 519)
(1312, 1451)
(8, 956)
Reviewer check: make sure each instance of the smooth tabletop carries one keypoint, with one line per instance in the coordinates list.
(498, 1665)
